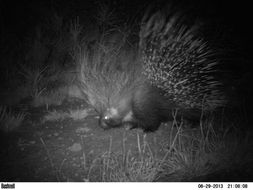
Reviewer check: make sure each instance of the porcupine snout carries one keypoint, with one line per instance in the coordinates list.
(109, 119)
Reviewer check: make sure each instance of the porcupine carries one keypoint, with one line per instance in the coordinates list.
(174, 71)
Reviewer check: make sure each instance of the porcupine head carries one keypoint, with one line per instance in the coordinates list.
(141, 105)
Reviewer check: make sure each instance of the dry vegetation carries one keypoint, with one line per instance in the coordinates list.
(48, 76)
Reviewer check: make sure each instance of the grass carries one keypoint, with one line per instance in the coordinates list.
(34, 78)
(43, 58)
(187, 155)
(10, 121)
(190, 154)
(53, 97)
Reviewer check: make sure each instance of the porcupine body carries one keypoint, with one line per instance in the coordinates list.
(174, 71)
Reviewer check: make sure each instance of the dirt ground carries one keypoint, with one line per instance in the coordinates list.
(72, 150)
(63, 150)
